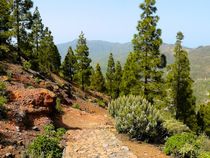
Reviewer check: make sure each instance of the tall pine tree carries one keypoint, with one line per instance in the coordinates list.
(130, 79)
(22, 22)
(97, 79)
(36, 35)
(118, 78)
(68, 65)
(48, 57)
(180, 84)
(110, 76)
(37, 29)
(5, 25)
(146, 45)
(83, 68)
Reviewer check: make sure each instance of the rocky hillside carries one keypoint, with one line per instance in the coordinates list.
(32, 102)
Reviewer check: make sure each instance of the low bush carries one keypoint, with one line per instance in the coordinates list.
(172, 125)
(58, 105)
(2, 86)
(47, 145)
(204, 154)
(187, 145)
(37, 80)
(137, 117)
(26, 65)
(2, 69)
(101, 103)
(204, 118)
(76, 106)
(180, 145)
(9, 75)
(3, 100)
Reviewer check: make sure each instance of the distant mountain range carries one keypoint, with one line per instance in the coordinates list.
(99, 53)
(100, 50)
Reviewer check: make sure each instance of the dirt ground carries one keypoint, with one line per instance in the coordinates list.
(89, 135)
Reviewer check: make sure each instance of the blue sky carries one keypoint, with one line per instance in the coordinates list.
(116, 20)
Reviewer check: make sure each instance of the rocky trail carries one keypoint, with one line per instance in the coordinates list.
(92, 135)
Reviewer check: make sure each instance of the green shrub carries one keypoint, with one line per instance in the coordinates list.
(47, 145)
(181, 145)
(204, 113)
(2, 69)
(2, 86)
(137, 117)
(204, 154)
(76, 106)
(9, 75)
(101, 103)
(187, 145)
(3, 100)
(37, 80)
(58, 105)
(3, 91)
(172, 125)
(26, 65)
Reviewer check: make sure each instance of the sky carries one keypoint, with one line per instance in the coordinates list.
(116, 20)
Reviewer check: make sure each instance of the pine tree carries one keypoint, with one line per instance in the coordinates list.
(36, 35)
(118, 78)
(97, 79)
(83, 68)
(180, 84)
(110, 76)
(146, 45)
(130, 78)
(5, 25)
(48, 57)
(68, 65)
(36, 31)
(22, 22)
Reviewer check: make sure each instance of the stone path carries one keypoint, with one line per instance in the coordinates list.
(95, 143)
(92, 135)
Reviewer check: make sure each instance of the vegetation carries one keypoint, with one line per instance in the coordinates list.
(140, 119)
(69, 65)
(187, 145)
(47, 144)
(48, 57)
(150, 104)
(118, 78)
(146, 45)
(180, 85)
(22, 24)
(76, 106)
(3, 100)
(110, 75)
(101, 103)
(58, 105)
(26, 65)
(204, 118)
(83, 68)
(97, 80)
(129, 83)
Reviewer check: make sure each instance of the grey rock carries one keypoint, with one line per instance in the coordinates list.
(9, 155)
(35, 128)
